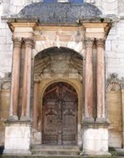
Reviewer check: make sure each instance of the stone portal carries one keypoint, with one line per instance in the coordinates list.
(70, 54)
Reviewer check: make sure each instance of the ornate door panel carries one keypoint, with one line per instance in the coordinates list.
(60, 114)
(69, 123)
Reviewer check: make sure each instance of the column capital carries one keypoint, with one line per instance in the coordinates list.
(88, 42)
(29, 42)
(17, 42)
(100, 43)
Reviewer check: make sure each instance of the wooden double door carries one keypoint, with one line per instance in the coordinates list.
(59, 121)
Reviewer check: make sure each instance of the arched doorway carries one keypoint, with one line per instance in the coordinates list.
(59, 119)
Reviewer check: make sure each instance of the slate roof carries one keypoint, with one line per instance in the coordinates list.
(59, 13)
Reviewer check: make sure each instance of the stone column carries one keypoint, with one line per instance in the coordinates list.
(13, 115)
(26, 90)
(95, 133)
(89, 80)
(35, 105)
(100, 80)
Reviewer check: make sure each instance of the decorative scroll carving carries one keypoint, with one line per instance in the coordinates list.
(114, 87)
(100, 43)
(5, 82)
(6, 85)
(88, 42)
(29, 42)
(58, 62)
(17, 42)
(114, 83)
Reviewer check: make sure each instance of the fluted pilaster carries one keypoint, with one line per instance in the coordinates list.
(89, 79)
(13, 115)
(100, 79)
(26, 90)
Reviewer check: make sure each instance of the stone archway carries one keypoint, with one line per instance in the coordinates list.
(51, 66)
(60, 114)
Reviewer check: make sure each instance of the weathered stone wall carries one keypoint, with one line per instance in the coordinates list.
(114, 107)
(114, 49)
(4, 112)
(115, 110)
(4, 105)
(5, 41)
(121, 7)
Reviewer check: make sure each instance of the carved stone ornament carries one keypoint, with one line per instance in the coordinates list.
(5, 82)
(100, 43)
(88, 42)
(17, 42)
(29, 42)
(6, 85)
(114, 83)
(58, 62)
(122, 82)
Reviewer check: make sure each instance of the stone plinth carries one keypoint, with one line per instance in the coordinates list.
(95, 139)
(17, 138)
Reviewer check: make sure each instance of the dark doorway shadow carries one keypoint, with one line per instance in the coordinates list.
(1, 150)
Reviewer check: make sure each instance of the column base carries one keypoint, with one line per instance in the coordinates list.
(102, 121)
(13, 118)
(95, 139)
(88, 120)
(17, 138)
(25, 118)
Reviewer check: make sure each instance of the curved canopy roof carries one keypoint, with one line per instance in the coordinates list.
(57, 13)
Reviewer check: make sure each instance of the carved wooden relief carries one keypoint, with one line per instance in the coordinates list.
(60, 114)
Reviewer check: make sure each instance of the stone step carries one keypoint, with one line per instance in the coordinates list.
(55, 150)
(50, 152)
(55, 147)
(34, 156)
